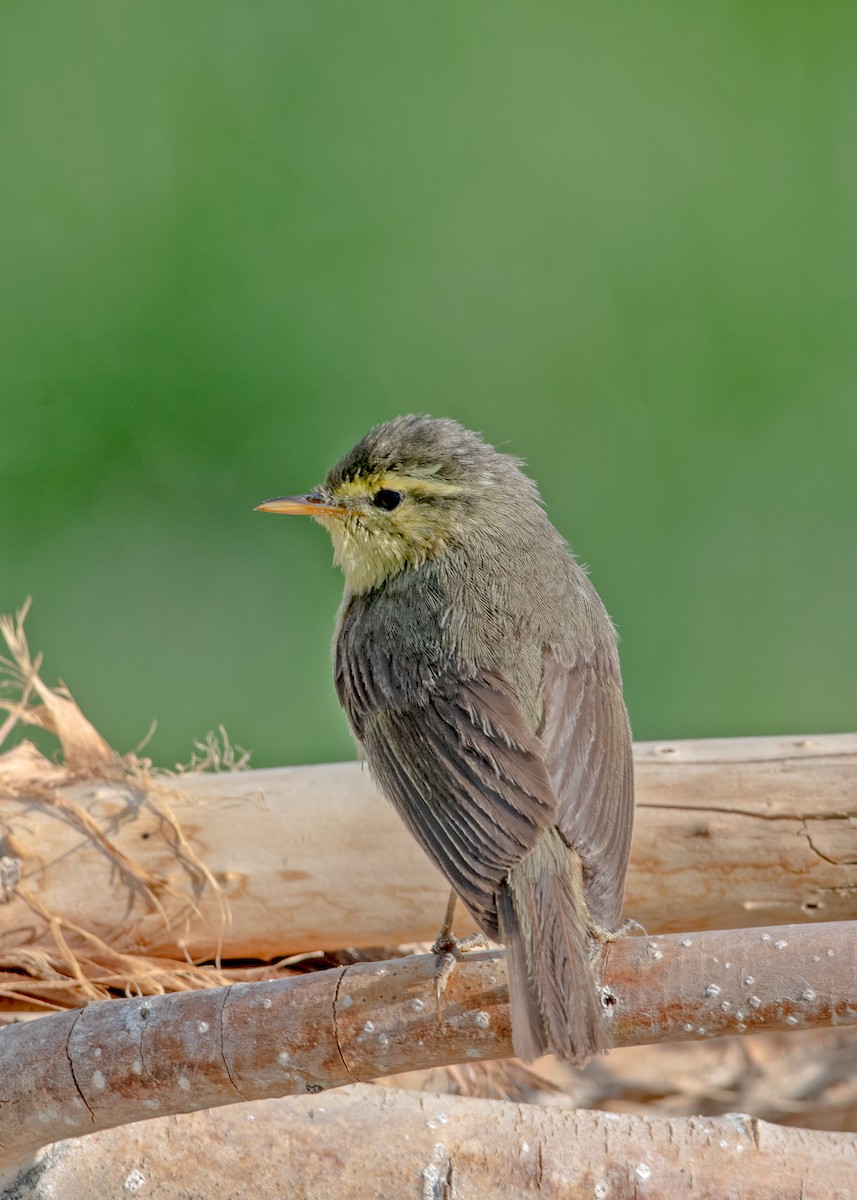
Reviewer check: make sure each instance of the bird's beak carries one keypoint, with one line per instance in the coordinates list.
(311, 505)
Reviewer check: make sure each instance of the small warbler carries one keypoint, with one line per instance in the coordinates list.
(478, 670)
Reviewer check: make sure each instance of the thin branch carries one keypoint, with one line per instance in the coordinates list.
(127, 1060)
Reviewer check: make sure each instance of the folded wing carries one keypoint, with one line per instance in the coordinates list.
(463, 770)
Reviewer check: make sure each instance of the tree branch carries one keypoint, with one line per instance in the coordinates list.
(128, 1060)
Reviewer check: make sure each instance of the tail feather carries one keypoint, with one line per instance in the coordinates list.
(545, 925)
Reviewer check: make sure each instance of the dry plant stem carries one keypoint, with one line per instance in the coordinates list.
(413, 1144)
(748, 831)
(127, 1060)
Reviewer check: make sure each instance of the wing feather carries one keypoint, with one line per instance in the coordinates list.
(588, 750)
(467, 777)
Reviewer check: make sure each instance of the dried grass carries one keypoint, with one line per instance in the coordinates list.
(78, 966)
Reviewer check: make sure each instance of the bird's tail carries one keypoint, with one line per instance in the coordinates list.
(544, 922)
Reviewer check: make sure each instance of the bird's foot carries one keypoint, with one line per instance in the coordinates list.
(601, 938)
(624, 930)
(449, 950)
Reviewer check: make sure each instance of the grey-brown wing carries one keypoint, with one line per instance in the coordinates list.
(588, 751)
(467, 776)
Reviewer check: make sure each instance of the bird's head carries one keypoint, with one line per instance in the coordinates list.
(408, 491)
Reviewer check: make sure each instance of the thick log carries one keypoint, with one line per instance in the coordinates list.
(120, 1061)
(364, 1141)
(730, 833)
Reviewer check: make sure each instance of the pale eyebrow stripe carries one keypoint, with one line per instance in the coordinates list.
(397, 481)
(419, 483)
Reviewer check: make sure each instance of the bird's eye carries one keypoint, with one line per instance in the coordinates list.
(387, 499)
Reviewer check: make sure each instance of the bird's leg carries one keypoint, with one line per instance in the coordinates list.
(449, 949)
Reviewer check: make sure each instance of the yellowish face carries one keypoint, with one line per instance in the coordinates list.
(383, 522)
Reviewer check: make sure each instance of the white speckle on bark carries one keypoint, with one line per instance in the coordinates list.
(134, 1180)
(431, 1178)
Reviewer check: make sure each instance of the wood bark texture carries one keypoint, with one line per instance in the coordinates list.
(370, 1141)
(120, 1061)
(730, 833)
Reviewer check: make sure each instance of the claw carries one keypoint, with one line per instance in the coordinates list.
(629, 926)
(602, 938)
(445, 967)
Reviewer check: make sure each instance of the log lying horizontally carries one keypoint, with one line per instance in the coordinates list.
(119, 1061)
(369, 1141)
(730, 833)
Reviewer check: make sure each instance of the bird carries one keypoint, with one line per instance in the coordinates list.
(479, 672)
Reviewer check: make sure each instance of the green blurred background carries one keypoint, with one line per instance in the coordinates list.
(619, 240)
